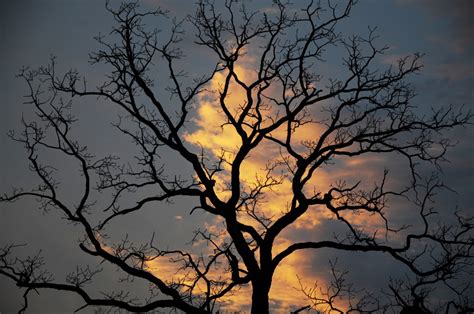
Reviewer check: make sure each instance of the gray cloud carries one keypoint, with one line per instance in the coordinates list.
(456, 15)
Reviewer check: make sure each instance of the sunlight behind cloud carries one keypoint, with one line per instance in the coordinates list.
(217, 137)
(222, 141)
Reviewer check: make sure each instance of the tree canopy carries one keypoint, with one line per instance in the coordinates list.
(260, 138)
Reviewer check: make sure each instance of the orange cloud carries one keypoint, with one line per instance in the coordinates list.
(220, 140)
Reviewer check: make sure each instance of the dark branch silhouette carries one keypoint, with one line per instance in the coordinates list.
(368, 111)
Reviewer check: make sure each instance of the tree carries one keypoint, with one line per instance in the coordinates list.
(286, 106)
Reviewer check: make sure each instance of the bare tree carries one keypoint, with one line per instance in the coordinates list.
(368, 111)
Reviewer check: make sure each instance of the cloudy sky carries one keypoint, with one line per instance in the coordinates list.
(32, 31)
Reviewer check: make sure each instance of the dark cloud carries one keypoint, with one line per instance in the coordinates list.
(456, 14)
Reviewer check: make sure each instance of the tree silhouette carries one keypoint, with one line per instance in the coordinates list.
(284, 110)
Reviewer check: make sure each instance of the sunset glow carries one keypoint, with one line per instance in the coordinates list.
(237, 156)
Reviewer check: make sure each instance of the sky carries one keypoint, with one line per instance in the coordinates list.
(31, 31)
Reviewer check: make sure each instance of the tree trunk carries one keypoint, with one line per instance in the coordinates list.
(260, 301)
